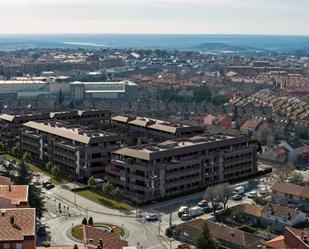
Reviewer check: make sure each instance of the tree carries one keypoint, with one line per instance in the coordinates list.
(27, 156)
(201, 94)
(8, 169)
(90, 221)
(84, 222)
(36, 196)
(55, 171)
(60, 97)
(212, 194)
(205, 239)
(225, 191)
(49, 166)
(107, 188)
(24, 177)
(297, 178)
(260, 200)
(1, 146)
(116, 193)
(284, 171)
(16, 150)
(92, 182)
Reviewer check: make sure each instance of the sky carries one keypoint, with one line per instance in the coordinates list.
(270, 17)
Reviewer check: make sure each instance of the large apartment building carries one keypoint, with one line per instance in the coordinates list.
(99, 119)
(11, 124)
(77, 150)
(159, 130)
(149, 172)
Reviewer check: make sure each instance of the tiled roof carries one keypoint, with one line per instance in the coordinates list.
(5, 180)
(63, 247)
(17, 223)
(92, 236)
(249, 209)
(251, 123)
(291, 189)
(16, 193)
(281, 211)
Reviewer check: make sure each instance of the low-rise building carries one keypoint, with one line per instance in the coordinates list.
(152, 171)
(278, 216)
(250, 126)
(292, 238)
(77, 150)
(13, 196)
(228, 237)
(17, 228)
(287, 193)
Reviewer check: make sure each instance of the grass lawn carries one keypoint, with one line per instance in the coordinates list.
(77, 232)
(32, 167)
(103, 200)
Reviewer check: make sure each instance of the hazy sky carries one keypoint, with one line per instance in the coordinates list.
(155, 16)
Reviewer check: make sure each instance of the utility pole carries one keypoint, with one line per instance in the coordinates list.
(170, 221)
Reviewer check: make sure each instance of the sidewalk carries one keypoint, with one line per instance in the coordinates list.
(63, 192)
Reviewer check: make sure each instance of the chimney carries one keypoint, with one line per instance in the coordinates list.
(12, 220)
(3, 213)
(75, 247)
(305, 238)
(10, 188)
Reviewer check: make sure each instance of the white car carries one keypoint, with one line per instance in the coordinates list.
(263, 191)
(252, 194)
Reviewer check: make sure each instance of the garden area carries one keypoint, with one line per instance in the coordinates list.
(77, 231)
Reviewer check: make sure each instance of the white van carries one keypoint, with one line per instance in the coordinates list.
(239, 190)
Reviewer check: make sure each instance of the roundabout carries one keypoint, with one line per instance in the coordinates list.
(77, 234)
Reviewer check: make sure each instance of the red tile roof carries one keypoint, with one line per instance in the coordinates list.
(249, 209)
(5, 180)
(92, 236)
(16, 193)
(17, 223)
(291, 189)
(252, 123)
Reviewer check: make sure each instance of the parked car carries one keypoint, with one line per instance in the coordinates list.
(263, 191)
(203, 203)
(45, 184)
(239, 190)
(182, 210)
(252, 194)
(196, 211)
(152, 217)
(237, 197)
(35, 173)
(186, 217)
(49, 186)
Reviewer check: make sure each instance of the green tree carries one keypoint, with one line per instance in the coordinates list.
(107, 188)
(1, 146)
(16, 150)
(36, 196)
(84, 222)
(205, 240)
(202, 94)
(27, 157)
(297, 178)
(116, 193)
(55, 171)
(90, 221)
(260, 200)
(219, 99)
(24, 176)
(91, 182)
(60, 97)
(8, 169)
(49, 166)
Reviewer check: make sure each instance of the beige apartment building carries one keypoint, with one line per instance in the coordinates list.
(149, 172)
(77, 150)
(158, 130)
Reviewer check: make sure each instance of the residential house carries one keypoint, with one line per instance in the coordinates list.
(5, 180)
(287, 193)
(250, 126)
(225, 121)
(294, 150)
(13, 196)
(17, 229)
(292, 238)
(209, 120)
(278, 216)
(251, 213)
(228, 237)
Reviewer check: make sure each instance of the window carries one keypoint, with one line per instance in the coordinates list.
(19, 246)
(6, 246)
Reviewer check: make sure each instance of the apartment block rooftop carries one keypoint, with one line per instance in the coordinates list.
(72, 132)
(156, 124)
(154, 151)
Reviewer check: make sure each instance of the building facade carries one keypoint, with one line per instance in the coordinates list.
(149, 172)
(77, 150)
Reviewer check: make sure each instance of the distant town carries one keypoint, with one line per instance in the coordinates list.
(151, 148)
